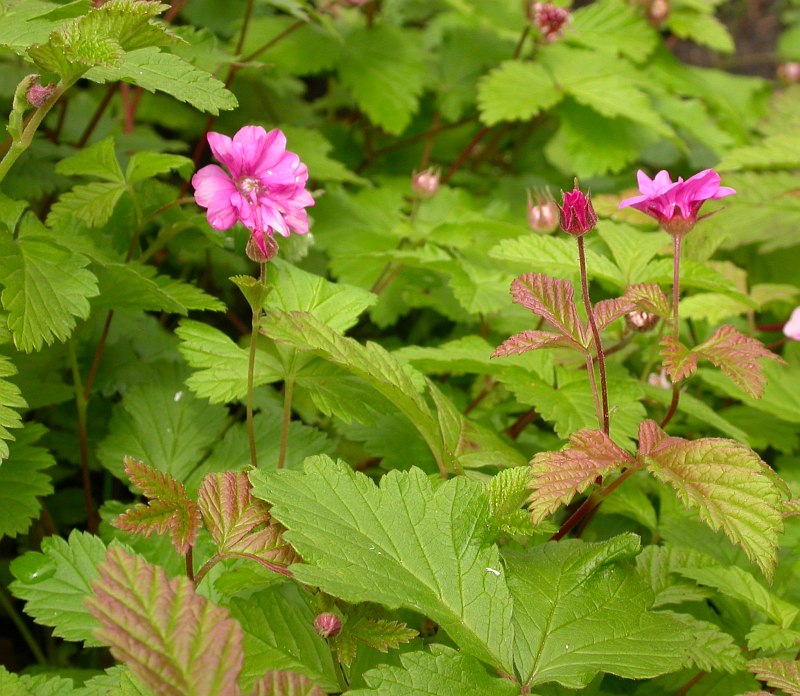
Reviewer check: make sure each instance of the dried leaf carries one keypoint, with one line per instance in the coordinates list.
(737, 356)
(557, 477)
(781, 674)
(172, 639)
(241, 524)
(679, 361)
(531, 340)
(169, 510)
(649, 297)
(551, 299)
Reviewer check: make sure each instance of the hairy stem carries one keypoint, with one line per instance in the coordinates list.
(251, 366)
(288, 389)
(676, 296)
(8, 606)
(598, 409)
(601, 360)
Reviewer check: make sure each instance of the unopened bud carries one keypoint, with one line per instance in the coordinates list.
(576, 214)
(261, 247)
(550, 20)
(327, 625)
(37, 95)
(542, 211)
(789, 73)
(426, 182)
(641, 321)
(657, 11)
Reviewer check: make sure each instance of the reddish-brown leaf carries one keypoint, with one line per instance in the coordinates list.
(650, 436)
(649, 297)
(241, 524)
(607, 311)
(531, 340)
(557, 477)
(781, 674)
(551, 299)
(285, 684)
(172, 639)
(169, 510)
(679, 361)
(737, 356)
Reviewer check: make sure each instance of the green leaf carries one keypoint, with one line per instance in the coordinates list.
(92, 204)
(55, 582)
(146, 165)
(254, 291)
(11, 401)
(313, 149)
(286, 684)
(516, 91)
(780, 674)
(442, 670)
(679, 361)
(165, 72)
(34, 685)
(170, 637)
(379, 56)
(701, 28)
(23, 481)
(580, 609)
(379, 634)
(46, 289)
(278, 625)
(611, 26)
(116, 680)
(98, 160)
(713, 649)
(402, 544)
(772, 638)
(158, 421)
(729, 485)
(508, 491)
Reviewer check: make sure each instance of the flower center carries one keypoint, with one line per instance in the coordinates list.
(247, 185)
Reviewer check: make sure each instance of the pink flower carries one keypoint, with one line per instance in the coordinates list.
(576, 214)
(792, 327)
(264, 187)
(675, 205)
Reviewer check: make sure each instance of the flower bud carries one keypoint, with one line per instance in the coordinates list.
(657, 11)
(789, 73)
(261, 249)
(659, 380)
(38, 94)
(542, 211)
(576, 214)
(426, 182)
(327, 625)
(550, 20)
(641, 321)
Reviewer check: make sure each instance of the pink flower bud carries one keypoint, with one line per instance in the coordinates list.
(426, 182)
(38, 94)
(657, 11)
(641, 321)
(261, 248)
(792, 327)
(542, 211)
(789, 73)
(550, 20)
(576, 214)
(327, 625)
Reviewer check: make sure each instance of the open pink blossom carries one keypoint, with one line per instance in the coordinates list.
(792, 327)
(264, 187)
(675, 204)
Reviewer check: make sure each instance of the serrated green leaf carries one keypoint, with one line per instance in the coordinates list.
(704, 29)
(579, 609)
(608, 25)
(151, 621)
(98, 160)
(146, 165)
(441, 670)
(254, 291)
(772, 638)
(46, 289)
(165, 72)
(376, 57)
(713, 649)
(116, 680)
(516, 91)
(91, 203)
(22, 481)
(429, 547)
(11, 402)
(55, 582)
(508, 491)
(278, 625)
(26, 23)
(34, 685)
(313, 150)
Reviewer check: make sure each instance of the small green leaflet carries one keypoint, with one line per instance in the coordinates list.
(11, 402)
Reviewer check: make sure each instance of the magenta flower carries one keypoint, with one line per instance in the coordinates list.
(576, 214)
(264, 187)
(792, 327)
(675, 205)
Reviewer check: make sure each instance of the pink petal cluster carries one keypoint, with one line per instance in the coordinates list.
(264, 187)
(550, 20)
(675, 204)
(792, 327)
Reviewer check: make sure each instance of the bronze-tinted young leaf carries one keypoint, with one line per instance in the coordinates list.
(381, 634)
(733, 490)
(241, 524)
(169, 510)
(531, 340)
(649, 297)
(171, 638)
(607, 311)
(285, 684)
(557, 477)
(780, 674)
(650, 435)
(551, 299)
(679, 361)
(737, 356)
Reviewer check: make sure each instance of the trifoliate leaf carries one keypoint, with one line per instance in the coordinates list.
(580, 609)
(733, 490)
(516, 91)
(679, 361)
(278, 625)
(170, 637)
(402, 544)
(240, 524)
(23, 481)
(169, 509)
(442, 670)
(98, 160)
(46, 289)
(156, 71)
(378, 56)
(772, 638)
(551, 299)
(55, 583)
(780, 674)
(713, 649)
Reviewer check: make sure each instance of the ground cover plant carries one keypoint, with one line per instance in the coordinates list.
(399, 347)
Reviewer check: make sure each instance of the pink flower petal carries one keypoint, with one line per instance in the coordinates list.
(213, 190)
(792, 327)
(224, 151)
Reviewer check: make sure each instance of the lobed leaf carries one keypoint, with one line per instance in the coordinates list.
(779, 674)
(736, 355)
(551, 299)
(171, 638)
(380, 634)
(679, 361)
(169, 510)
(557, 477)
